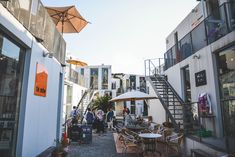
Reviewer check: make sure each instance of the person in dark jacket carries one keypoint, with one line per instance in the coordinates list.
(109, 119)
(89, 117)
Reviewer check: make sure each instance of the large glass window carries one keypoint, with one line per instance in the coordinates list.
(105, 78)
(94, 78)
(216, 25)
(11, 70)
(226, 70)
(142, 84)
(226, 63)
(186, 46)
(199, 37)
(133, 82)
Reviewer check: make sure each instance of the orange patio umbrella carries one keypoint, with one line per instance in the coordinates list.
(76, 62)
(67, 19)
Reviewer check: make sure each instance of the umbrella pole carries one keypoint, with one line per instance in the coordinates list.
(62, 31)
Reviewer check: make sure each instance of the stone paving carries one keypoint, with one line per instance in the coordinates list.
(101, 146)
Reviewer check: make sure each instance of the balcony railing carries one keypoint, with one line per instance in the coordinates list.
(34, 17)
(154, 66)
(215, 26)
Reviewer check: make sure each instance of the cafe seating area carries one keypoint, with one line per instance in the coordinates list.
(148, 139)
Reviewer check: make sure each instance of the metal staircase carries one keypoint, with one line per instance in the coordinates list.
(183, 115)
(92, 94)
(169, 99)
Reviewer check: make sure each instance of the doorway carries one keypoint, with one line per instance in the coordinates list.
(186, 84)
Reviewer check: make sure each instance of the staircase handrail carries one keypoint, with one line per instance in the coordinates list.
(173, 90)
(89, 90)
(83, 96)
(150, 62)
(90, 101)
(165, 107)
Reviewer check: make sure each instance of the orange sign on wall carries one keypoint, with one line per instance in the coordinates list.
(40, 88)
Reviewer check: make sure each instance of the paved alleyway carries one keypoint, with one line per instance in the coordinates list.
(101, 146)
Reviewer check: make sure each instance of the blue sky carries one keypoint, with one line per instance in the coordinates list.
(123, 33)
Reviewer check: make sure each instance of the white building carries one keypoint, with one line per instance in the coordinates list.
(31, 79)
(122, 83)
(95, 78)
(200, 59)
(73, 89)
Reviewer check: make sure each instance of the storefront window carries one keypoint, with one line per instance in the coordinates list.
(226, 63)
(226, 70)
(11, 70)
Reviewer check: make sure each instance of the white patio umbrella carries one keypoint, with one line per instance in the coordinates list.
(132, 96)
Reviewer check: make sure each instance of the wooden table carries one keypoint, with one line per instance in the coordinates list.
(149, 140)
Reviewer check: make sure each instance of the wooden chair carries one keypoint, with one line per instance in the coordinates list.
(174, 142)
(165, 133)
(130, 142)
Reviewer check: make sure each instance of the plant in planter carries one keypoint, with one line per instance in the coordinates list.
(59, 149)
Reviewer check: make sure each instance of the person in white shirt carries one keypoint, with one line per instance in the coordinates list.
(100, 122)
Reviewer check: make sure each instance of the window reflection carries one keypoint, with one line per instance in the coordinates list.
(11, 70)
(226, 63)
(104, 78)
(94, 78)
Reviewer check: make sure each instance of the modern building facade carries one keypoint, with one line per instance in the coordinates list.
(31, 79)
(73, 88)
(200, 61)
(97, 80)
(122, 83)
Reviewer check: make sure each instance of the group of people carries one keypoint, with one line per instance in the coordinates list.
(97, 119)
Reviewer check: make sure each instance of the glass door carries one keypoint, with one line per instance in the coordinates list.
(11, 70)
(186, 84)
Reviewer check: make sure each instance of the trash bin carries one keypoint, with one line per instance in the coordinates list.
(76, 133)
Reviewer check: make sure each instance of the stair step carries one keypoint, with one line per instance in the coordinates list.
(178, 119)
(178, 114)
(175, 105)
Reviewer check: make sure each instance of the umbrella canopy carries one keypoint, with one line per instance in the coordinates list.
(76, 62)
(67, 19)
(133, 95)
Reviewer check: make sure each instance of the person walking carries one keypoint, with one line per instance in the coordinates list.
(100, 121)
(89, 117)
(109, 119)
(74, 115)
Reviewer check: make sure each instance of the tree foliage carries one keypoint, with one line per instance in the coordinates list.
(102, 102)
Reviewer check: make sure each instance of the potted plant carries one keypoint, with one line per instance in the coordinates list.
(59, 150)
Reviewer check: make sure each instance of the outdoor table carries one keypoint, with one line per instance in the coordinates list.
(149, 140)
(136, 128)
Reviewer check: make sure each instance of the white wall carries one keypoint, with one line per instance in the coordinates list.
(40, 112)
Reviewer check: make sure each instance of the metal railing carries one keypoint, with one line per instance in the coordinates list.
(215, 26)
(34, 17)
(154, 66)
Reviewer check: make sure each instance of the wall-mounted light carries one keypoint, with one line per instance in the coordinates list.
(196, 56)
(45, 54)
